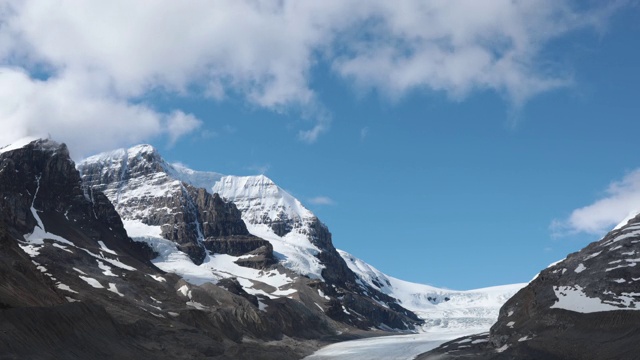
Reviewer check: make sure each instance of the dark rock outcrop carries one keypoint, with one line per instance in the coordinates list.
(20, 282)
(336, 270)
(586, 306)
(237, 245)
(41, 177)
(218, 218)
(260, 251)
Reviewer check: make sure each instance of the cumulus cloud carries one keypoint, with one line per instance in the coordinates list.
(620, 203)
(461, 46)
(114, 53)
(78, 114)
(321, 200)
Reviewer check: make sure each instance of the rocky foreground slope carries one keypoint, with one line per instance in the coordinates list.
(583, 307)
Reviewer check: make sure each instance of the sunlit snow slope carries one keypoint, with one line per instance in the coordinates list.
(274, 215)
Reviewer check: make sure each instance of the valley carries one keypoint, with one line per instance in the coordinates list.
(127, 247)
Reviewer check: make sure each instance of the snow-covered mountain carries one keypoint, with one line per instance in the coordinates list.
(73, 285)
(146, 191)
(264, 239)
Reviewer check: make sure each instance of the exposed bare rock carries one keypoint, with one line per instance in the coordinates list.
(586, 306)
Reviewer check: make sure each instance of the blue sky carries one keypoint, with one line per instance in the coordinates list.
(458, 176)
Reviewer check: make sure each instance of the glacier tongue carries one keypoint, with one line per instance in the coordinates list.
(440, 308)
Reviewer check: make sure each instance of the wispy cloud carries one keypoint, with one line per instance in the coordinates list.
(311, 136)
(621, 200)
(321, 200)
(96, 57)
(259, 168)
(208, 134)
(178, 124)
(364, 132)
(230, 129)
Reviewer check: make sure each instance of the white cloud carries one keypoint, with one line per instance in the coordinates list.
(117, 52)
(461, 46)
(321, 200)
(310, 136)
(69, 110)
(179, 124)
(622, 199)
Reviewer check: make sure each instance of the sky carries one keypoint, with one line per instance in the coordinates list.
(461, 144)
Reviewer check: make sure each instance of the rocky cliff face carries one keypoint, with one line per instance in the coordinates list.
(583, 307)
(41, 186)
(141, 186)
(73, 285)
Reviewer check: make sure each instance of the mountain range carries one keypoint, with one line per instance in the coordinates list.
(149, 258)
(297, 243)
(127, 256)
